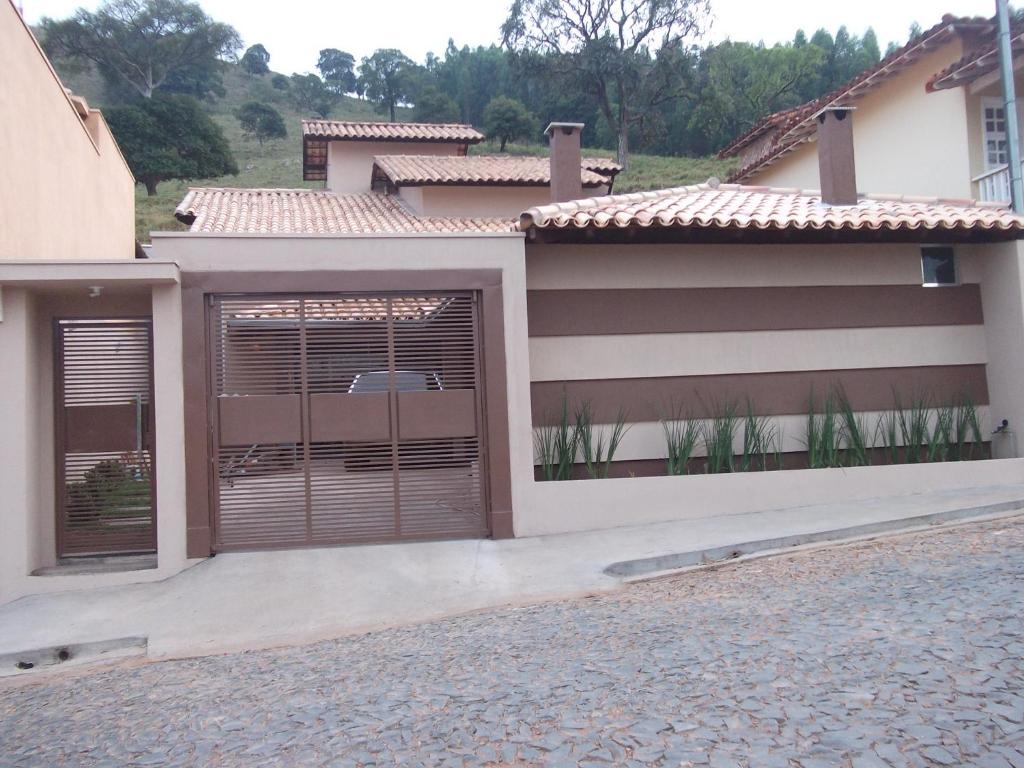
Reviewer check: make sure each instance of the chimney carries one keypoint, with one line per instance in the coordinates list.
(566, 172)
(835, 156)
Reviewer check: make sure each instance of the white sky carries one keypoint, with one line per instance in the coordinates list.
(294, 32)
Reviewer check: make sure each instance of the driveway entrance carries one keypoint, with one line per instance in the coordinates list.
(345, 417)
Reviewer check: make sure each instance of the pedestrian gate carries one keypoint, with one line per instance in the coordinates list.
(345, 418)
(104, 429)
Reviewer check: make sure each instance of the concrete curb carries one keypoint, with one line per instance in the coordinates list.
(31, 661)
(643, 568)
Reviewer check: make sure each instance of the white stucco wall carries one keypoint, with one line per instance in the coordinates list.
(486, 201)
(65, 189)
(350, 163)
(906, 140)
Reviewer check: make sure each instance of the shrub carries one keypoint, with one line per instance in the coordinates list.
(597, 448)
(681, 436)
(718, 433)
(557, 444)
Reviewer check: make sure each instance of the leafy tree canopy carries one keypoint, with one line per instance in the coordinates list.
(338, 70)
(256, 60)
(141, 43)
(261, 121)
(310, 94)
(619, 50)
(506, 119)
(387, 78)
(280, 82)
(433, 106)
(170, 137)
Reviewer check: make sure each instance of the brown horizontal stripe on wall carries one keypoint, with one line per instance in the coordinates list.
(697, 310)
(657, 467)
(773, 394)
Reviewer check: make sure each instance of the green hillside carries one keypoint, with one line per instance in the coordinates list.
(279, 163)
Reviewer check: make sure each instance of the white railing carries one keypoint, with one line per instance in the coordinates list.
(993, 185)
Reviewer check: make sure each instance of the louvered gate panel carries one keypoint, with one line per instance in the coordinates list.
(103, 374)
(257, 380)
(346, 418)
(351, 467)
(440, 491)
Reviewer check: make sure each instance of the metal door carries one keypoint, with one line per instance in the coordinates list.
(345, 418)
(104, 430)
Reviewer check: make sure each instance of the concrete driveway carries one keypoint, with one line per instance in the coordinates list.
(265, 599)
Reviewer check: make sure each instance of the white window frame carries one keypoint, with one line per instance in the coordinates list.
(991, 102)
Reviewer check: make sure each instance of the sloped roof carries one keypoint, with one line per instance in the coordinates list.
(309, 211)
(981, 58)
(792, 127)
(735, 207)
(385, 131)
(490, 170)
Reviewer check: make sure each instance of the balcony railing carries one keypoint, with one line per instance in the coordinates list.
(994, 185)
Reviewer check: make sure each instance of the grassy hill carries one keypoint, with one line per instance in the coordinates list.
(279, 163)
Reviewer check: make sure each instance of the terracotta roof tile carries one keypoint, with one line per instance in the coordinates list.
(792, 127)
(308, 211)
(507, 170)
(385, 131)
(982, 57)
(732, 206)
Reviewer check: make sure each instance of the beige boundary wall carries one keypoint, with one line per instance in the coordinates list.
(575, 505)
(33, 296)
(481, 200)
(972, 335)
(67, 192)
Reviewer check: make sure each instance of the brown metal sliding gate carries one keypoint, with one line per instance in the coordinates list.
(344, 418)
(104, 428)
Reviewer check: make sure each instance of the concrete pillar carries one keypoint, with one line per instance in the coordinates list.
(18, 500)
(566, 161)
(168, 396)
(1002, 295)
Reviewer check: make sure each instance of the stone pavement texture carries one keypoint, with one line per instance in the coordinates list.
(903, 652)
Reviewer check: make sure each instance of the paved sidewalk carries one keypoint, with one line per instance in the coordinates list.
(263, 599)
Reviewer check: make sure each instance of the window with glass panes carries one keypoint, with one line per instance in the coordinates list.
(994, 125)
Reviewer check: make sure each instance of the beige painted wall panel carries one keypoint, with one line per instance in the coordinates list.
(567, 358)
(720, 266)
(67, 194)
(906, 140)
(350, 163)
(577, 505)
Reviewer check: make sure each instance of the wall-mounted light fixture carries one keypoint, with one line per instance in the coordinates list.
(95, 291)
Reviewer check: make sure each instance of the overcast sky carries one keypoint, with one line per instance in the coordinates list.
(296, 30)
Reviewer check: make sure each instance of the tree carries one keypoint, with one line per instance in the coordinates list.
(170, 137)
(620, 50)
(311, 95)
(261, 121)
(338, 70)
(142, 43)
(280, 82)
(433, 106)
(386, 78)
(506, 119)
(256, 60)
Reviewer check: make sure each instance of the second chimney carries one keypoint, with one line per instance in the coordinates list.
(835, 156)
(566, 161)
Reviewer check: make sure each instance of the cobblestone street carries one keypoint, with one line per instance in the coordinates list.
(908, 652)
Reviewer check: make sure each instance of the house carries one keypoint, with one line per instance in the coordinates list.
(60, 158)
(317, 367)
(929, 120)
